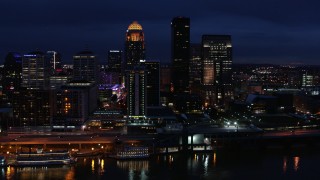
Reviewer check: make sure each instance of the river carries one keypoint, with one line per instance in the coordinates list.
(274, 164)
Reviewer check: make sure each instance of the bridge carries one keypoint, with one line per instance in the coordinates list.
(194, 138)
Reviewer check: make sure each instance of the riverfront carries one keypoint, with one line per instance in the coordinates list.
(294, 163)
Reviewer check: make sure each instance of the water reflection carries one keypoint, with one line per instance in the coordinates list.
(92, 165)
(214, 159)
(70, 174)
(142, 165)
(41, 173)
(175, 166)
(205, 164)
(284, 166)
(10, 172)
(102, 166)
(2, 173)
(296, 161)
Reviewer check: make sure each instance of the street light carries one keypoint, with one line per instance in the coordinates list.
(236, 124)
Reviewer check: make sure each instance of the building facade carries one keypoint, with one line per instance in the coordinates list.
(73, 103)
(136, 81)
(114, 60)
(134, 46)
(35, 70)
(180, 51)
(153, 83)
(216, 69)
(85, 66)
(55, 61)
(195, 68)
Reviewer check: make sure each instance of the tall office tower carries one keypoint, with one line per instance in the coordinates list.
(115, 70)
(114, 60)
(55, 62)
(136, 92)
(11, 74)
(85, 66)
(153, 83)
(165, 78)
(31, 104)
(35, 70)
(217, 61)
(134, 46)
(195, 67)
(180, 44)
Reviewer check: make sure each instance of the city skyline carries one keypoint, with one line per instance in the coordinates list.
(262, 32)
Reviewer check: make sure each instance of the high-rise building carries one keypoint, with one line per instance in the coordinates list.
(115, 70)
(195, 67)
(136, 92)
(11, 74)
(153, 83)
(134, 46)
(114, 60)
(35, 70)
(165, 78)
(55, 61)
(85, 66)
(216, 69)
(180, 44)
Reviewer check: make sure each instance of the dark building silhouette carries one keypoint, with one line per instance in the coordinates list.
(165, 77)
(31, 104)
(216, 69)
(73, 103)
(31, 107)
(180, 44)
(134, 46)
(114, 60)
(85, 66)
(11, 75)
(114, 70)
(153, 83)
(195, 68)
(5, 118)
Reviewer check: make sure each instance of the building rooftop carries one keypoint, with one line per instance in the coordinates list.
(135, 26)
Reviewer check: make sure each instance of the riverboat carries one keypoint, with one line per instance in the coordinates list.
(40, 158)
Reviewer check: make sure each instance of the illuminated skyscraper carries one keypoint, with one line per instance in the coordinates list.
(136, 92)
(31, 105)
(85, 66)
(35, 70)
(135, 46)
(55, 61)
(180, 44)
(216, 69)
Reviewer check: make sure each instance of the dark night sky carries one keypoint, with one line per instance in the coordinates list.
(263, 31)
